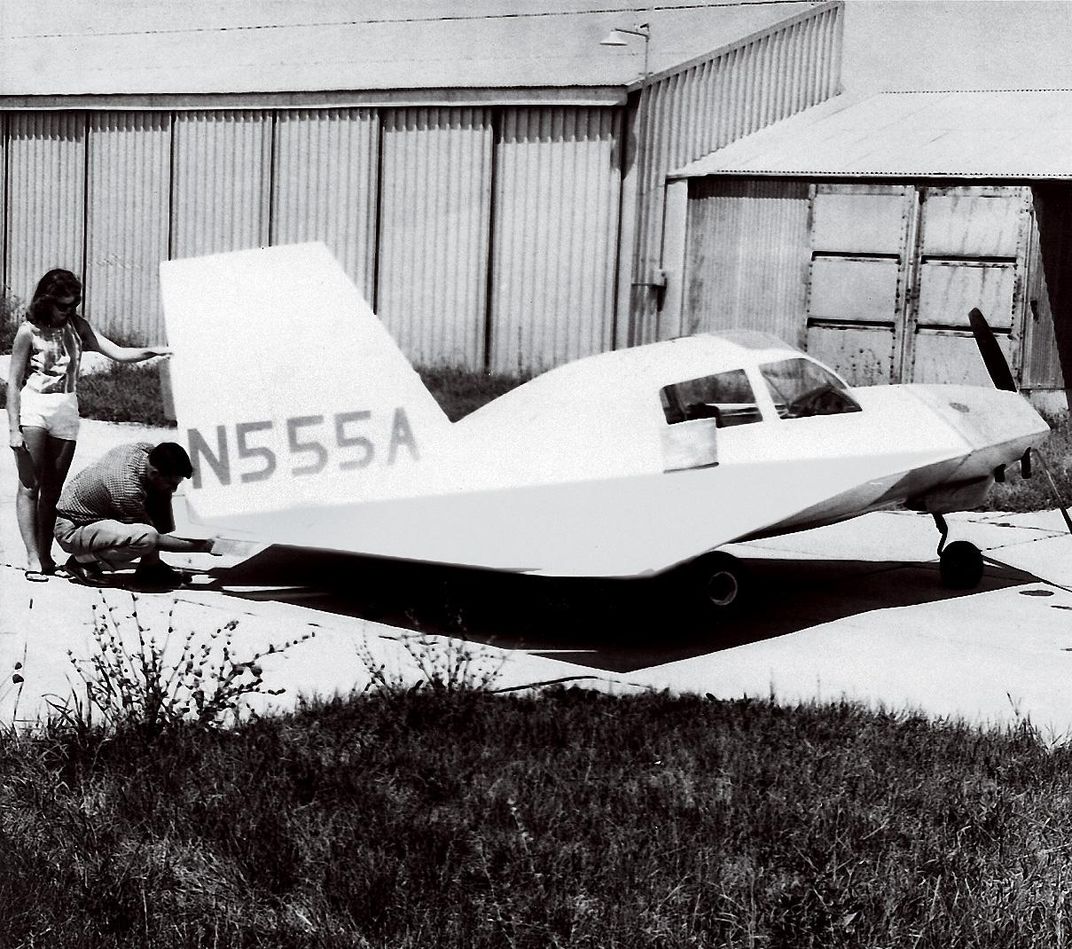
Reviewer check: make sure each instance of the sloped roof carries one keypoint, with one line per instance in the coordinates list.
(1020, 134)
(54, 47)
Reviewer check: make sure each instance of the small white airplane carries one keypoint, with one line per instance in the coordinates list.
(308, 427)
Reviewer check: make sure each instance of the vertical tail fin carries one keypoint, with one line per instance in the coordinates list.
(288, 391)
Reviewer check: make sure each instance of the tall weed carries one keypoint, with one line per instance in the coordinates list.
(435, 663)
(135, 681)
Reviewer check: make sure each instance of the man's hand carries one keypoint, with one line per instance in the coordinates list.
(16, 441)
(212, 545)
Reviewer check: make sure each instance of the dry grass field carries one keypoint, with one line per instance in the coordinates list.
(454, 817)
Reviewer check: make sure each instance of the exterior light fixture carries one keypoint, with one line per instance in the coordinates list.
(617, 36)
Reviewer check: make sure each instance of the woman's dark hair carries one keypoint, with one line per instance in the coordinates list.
(170, 459)
(55, 285)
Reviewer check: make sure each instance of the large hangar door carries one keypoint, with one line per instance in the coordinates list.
(885, 274)
(860, 240)
(973, 242)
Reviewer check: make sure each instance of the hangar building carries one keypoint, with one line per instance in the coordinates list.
(493, 179)
(866, 228)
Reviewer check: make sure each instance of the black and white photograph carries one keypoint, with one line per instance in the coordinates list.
(513, 474)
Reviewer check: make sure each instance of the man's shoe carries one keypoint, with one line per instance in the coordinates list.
(158, 576)
(88, 574)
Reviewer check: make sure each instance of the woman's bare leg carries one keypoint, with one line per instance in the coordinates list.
(27, 493)
(51, 475)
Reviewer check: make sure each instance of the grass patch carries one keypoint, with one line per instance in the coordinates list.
(1035, 493)
(124, 392)
(431, 818)
(461, 391)
(10, 317)
(8, 326)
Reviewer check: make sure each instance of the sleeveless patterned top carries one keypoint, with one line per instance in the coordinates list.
(55, 353)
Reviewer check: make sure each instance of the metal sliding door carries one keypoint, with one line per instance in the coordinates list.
(973, 242)
(861, 240)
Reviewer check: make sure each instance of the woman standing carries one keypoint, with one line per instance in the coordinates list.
(42, 405)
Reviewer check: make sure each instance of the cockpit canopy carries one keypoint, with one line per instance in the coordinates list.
(798, 387)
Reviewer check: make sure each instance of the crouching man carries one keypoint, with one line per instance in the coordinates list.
(118, 510)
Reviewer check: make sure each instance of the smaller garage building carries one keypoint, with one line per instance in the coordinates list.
(865, 229)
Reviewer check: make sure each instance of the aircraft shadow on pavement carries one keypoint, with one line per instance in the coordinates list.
(615, 625)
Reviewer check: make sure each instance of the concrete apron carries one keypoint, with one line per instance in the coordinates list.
(997, 657)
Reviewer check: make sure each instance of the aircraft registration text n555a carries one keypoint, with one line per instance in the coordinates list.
(347, 441)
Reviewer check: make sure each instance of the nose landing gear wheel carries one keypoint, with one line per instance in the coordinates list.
(961, 565)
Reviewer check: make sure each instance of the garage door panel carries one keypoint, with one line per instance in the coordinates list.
(863, 290)
(972, 225)
(863, 355)
(947, 356)
(864, 223)
(948, 291)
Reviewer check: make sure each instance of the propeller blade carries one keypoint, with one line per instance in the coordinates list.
(1056, 491)
(993, 358)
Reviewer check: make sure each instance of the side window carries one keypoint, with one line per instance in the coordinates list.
(801, 388)
(726, 397)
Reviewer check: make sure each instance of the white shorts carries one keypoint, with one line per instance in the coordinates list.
(55, 412)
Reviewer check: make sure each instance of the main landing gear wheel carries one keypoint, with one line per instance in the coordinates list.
(961, 565)
(716, 584)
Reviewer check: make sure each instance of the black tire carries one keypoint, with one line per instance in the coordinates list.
(716, 585)
(961, 566)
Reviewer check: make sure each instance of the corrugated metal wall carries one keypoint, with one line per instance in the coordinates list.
(128, 186)
(220, 179)
(435, 227)
(558, 182)
(45, 196)
(326, 167)
(760, 282)
(692, 111)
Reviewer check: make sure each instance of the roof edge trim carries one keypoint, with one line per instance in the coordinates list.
(891, 176)
(389, 98)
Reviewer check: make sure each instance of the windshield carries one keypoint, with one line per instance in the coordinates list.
(802, 388)
(726, 397)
